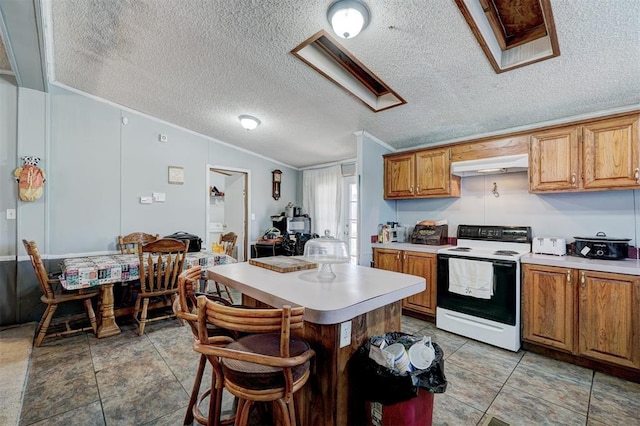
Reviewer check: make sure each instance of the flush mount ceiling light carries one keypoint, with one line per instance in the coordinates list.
(348, 17)
(249, 122)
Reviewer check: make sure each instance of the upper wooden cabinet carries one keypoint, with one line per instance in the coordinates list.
(421, 174)
(602, 155)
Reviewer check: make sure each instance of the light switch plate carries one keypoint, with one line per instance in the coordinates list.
(146, 200)
(159, 197)
(345, 334)
(11, 214)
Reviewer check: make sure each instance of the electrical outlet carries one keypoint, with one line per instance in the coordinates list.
(163, 138)
(11, 214)
(146, 200)
(159, 197)
(345, 334)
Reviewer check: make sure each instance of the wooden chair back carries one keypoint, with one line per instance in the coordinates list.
(39, 268)
(265, 327)
(228, 242)
(250, 320)
(161, 262)
(128, 244)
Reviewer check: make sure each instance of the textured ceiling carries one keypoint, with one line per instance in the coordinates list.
(201, 63)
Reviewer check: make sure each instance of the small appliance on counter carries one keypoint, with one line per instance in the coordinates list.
(429, 232)
(549, 245)
(602, 247)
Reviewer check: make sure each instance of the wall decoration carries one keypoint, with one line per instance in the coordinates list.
(30, 179)
(275, 184)
(176, 175)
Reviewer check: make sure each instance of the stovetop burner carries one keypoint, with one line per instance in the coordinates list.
(505, 252)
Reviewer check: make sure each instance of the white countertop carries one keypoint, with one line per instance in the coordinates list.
(410, 247)
(623, 266)
(354, 291)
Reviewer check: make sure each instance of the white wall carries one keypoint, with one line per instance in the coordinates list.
(373, 208)
(562, 215)
(8, 185)
(99, 167)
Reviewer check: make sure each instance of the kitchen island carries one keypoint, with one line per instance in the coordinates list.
(368, 300)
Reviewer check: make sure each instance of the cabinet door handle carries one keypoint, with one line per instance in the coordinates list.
(411, 189)
(405, 257)
(582, 279)
(573, 178)
(398, 255)
(637, 175)
(568, 277)
(417, 188)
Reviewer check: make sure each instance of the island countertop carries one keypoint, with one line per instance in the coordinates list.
(354, 291)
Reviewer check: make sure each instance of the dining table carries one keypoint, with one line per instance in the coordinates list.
(104, 271)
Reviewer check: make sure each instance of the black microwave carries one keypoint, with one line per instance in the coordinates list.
(293, 225)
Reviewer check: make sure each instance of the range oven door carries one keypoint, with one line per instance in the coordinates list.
(501, 307)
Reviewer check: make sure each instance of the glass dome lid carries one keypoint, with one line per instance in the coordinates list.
(325, 251)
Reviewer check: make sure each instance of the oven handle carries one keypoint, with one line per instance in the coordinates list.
(495, 262)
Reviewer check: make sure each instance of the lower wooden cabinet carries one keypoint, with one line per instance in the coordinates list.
(548, 313)
(414, 263)
(590, 314)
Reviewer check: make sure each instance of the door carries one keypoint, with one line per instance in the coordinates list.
(350, 217)
(387, 259)
(610, 157)
(227, 211)
(433, 172)
(399, 172)
(554, 162)
(609, 318)
(235, 214)
(422, 265)
(548, 306)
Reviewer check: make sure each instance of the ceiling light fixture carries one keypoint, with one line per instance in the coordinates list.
(348, 17)
(249, 122)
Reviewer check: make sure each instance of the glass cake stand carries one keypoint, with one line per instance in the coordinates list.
(325, 251)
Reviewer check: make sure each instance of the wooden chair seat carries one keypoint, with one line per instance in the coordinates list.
(259, 376)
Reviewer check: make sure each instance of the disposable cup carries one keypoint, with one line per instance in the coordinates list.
(421, 355)
(400, 356)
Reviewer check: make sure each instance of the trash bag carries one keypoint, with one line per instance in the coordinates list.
(377, 383)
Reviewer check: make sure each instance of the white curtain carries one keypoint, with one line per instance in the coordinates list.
(322, 199)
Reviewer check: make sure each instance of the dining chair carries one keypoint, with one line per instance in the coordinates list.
(128, 244)
(228, 242)
(268, 364)
(53, 295)
(185, 307)
(161, 262)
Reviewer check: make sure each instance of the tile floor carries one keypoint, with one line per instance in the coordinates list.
(132, 380)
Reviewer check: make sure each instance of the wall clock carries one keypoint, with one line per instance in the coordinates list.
(276, 180)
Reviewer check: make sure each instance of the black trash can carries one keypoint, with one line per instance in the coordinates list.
(391, 398)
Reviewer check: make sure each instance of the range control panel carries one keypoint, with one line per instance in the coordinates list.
(515, 234)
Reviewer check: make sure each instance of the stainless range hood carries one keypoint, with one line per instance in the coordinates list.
(491, 166)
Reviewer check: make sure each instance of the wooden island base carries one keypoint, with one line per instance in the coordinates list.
(328, 399)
